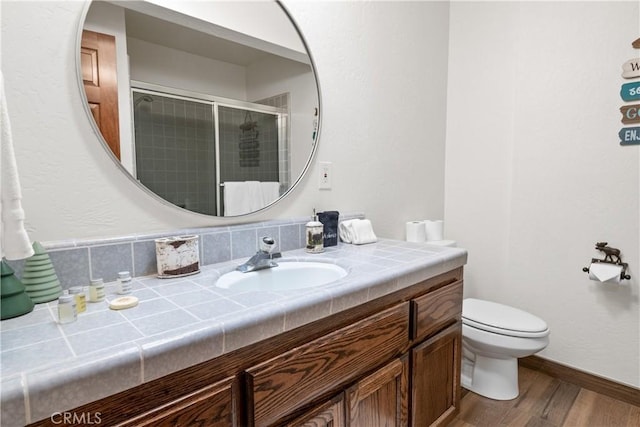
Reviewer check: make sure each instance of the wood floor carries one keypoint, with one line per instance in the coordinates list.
(546, 402)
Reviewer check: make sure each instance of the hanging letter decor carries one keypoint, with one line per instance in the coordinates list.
(630, 92)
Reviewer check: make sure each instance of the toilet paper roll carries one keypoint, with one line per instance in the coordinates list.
(434, 229)
(416, 231)
(605, 273)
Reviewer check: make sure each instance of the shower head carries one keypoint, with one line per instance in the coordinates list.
(146, 98)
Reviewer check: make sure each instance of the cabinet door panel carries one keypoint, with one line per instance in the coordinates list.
(212, 406)
(435, 397)
(283, 384)
(381, 399)
(331, 414)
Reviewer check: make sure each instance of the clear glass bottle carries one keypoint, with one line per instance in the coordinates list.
(96, 290)
(67, 308)
(81, 298)
(124, 282)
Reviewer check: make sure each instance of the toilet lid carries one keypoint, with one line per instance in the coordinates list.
(502, 319)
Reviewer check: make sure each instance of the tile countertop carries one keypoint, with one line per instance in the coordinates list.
(48, 368)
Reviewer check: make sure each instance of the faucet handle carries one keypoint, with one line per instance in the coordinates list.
(267, 244)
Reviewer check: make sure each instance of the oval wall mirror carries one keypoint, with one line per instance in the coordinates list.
(212, 106)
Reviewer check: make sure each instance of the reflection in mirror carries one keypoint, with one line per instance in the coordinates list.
(218, 117)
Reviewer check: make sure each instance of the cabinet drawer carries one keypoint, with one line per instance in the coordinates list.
(285, 383)
(435, 310)
(212, 406)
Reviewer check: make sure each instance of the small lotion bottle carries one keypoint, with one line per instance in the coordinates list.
(67, 308)
(96, 290)
(81, 298)
(124, 283)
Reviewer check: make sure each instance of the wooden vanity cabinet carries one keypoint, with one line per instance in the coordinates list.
(379, 399)
(394, 361)
(277, 387)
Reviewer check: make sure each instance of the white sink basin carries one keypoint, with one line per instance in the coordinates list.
(286, 276)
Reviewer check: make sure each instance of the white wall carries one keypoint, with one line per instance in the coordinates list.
(244, 18)
(535, 174)
(382, 126)
(382, 68)
(152, 63)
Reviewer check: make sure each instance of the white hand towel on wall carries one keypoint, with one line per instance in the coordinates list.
(254, 193)
(270, 192)
(239, 197)
(14, 241)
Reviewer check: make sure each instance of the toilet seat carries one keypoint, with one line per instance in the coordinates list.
(501, 319)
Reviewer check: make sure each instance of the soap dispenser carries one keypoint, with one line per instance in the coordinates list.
(315, 235)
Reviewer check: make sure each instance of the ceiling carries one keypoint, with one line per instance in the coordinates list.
(175, 36)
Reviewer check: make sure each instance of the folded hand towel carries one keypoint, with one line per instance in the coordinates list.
(363, 232)
(345, 230)
(14, 241)
(357, 231)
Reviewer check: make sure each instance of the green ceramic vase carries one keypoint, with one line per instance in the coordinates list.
(14, 301)
(39, 277)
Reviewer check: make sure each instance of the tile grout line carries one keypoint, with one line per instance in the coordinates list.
(25, 394)
(64, 336)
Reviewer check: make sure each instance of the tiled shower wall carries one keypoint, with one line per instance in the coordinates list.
(175, 153)
(78, 261)
(231, 167)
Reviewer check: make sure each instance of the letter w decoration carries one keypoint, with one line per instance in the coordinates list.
(631, 68)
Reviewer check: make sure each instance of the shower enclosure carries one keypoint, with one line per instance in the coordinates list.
(186, 145)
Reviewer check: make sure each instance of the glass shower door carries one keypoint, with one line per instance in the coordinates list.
(248, 146)
(175, 149)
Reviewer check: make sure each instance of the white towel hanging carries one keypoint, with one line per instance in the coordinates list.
(14, 240)
(242, 197)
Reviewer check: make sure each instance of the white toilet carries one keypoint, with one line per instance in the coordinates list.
(494, 336)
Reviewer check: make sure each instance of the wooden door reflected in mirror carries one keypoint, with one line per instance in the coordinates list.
(98, 65)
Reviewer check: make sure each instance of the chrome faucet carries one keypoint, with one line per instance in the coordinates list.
(263, 258)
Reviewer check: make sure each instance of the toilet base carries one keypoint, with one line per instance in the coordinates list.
(490, 377)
